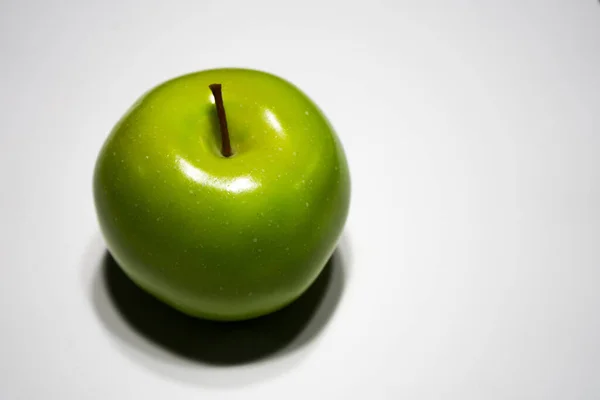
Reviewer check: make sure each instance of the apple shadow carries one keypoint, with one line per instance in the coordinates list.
(117, 299)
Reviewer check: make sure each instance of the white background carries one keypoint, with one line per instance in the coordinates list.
(470, 264)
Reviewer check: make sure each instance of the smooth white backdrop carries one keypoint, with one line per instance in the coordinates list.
(470, 265)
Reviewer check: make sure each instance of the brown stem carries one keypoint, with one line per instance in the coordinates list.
(215, 88)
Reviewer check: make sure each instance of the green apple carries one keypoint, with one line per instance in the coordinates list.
(225, 206)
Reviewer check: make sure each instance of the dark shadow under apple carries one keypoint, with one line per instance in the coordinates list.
(218, 343)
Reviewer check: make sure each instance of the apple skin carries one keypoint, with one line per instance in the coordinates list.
(214, 237)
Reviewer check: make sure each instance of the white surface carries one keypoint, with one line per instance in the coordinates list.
(471, 262)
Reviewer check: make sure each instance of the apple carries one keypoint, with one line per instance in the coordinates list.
(222, 193)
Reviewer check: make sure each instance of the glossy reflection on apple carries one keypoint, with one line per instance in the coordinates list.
(223, 193)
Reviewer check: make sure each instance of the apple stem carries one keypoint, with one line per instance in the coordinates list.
(215, 88)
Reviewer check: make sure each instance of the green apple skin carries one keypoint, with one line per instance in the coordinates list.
(215, 237)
